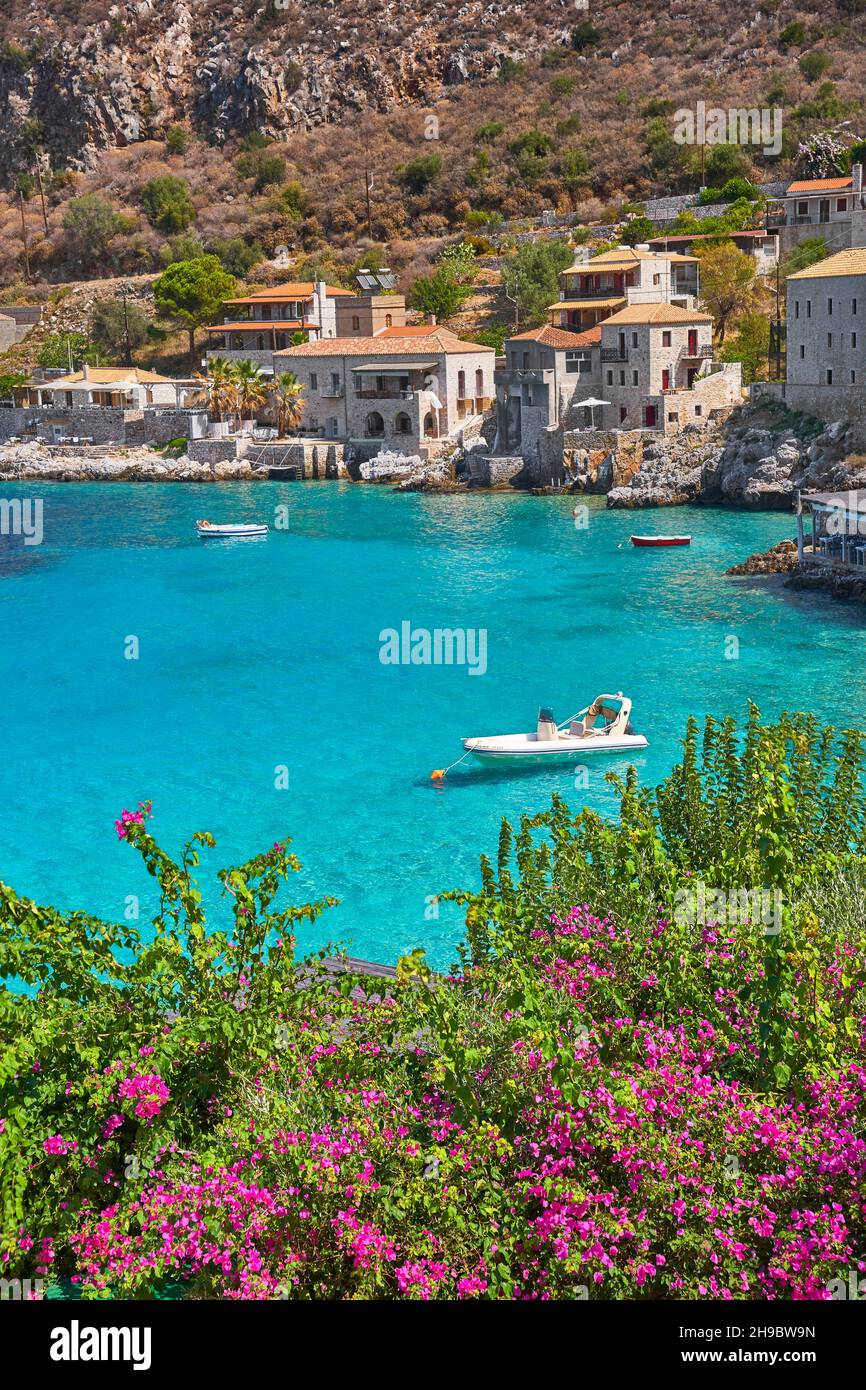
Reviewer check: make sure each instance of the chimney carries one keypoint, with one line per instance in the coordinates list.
(857, 178)
(431, 319)
(87, 371)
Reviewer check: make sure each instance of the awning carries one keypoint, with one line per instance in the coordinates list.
(394, 368)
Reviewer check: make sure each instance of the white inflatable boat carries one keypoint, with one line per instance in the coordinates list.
(603, 727)
(209, 532)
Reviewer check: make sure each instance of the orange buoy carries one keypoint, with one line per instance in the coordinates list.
(437, 774)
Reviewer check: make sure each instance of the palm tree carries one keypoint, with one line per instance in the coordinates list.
(287, 394)
(220, 385)
(251, 388)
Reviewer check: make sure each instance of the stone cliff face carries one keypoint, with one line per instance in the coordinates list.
(268, 65)
(752, 462)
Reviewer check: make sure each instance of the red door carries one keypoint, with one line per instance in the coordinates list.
(666, 379)
(650, 417)
(693, 342)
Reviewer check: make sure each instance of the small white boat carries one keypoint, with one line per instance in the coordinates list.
(603, 727)
(210, 532)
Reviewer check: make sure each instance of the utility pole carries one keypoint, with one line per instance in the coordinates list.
(368, 184)
(126, 325)
(41, 192)
(24, 236)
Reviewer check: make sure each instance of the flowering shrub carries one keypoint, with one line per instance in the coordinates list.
(605, 1100)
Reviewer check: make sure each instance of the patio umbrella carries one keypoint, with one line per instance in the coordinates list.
(590, 404)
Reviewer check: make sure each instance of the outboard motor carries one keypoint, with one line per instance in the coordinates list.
(546, 728)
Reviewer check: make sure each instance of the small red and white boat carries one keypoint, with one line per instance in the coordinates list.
(661, 540)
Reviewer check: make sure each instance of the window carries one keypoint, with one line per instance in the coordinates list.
(829, 340)
(577, 360)
(808, 308)
(803, 209)
(853, 306)
(389, 320)
(333, 425)
(829, 306)
(610, 378)
(841, 204)
(622, 378)
(402, 424)
(802, 352)
(853, 340)
(853, 378)
(673, 418)
(666, 338)
(634, 340)
(622, 413)
(829, 376)
(525, 361)
(356, 323)
(479, 382)
(461, 384)
(634, 378)
(314, 381)
(797, 309)
(657, 279)
(699, 410)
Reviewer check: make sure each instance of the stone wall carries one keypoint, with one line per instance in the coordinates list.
(102, 424)
(828, 403)
(603, 459)
(489, 470)
(314, 459)
(215, 451)
(163, 425)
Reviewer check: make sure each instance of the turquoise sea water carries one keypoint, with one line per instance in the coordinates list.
(259, 656)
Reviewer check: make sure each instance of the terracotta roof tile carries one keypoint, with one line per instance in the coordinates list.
(657, 313)
(436, 340)
(850, 262)
(820, 185)
(558, 337)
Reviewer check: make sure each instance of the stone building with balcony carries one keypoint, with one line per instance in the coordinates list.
(546, 373)
(591, 290)
(413, 390)
(658, 370)
(834, 209)
(257, 325)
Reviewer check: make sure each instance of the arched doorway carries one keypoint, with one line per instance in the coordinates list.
(374, 425)
(429, 426)
(402, 424)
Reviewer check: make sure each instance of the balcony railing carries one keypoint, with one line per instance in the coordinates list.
(332, 392)
(698, 352)
(614, 354)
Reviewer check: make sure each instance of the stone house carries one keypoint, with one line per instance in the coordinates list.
(658, 371)
(834, 209)
(547, 372)
(405, 389)
(257, 325)
(593, 289)
(366, 315)
(762, 244)
(101, 405)
(826, 338)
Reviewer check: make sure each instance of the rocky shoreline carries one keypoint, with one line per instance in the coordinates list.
(781, 559)
(758, 459)
(36, 463)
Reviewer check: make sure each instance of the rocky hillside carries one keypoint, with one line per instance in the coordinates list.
(79, 78)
